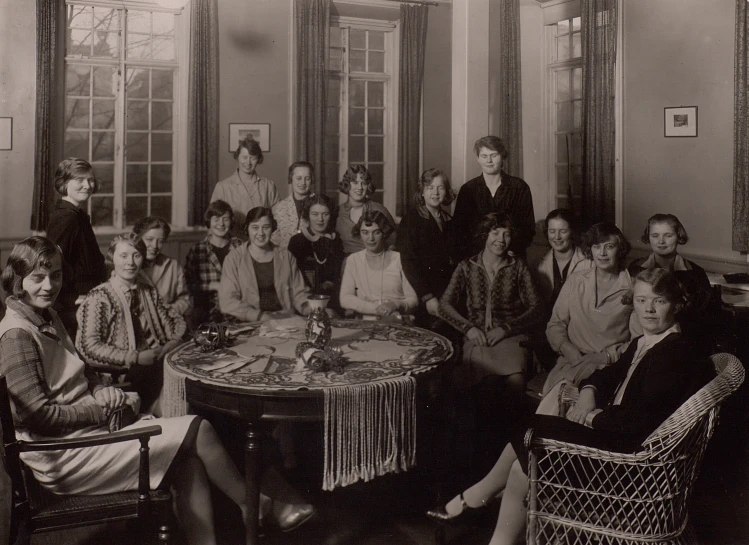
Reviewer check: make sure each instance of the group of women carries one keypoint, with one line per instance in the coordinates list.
(621, 335)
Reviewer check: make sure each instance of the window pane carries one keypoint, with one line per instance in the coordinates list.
(161, 115)
(106, 45)
(577, 50)
(376, 40)
(563, 85)
(563, 48)
(163, 48)
(576, 23)
(161, 147)
(106, 19)
(76, 113)
(163, 23)
(358, 38)
(331, 149)
(356, 91)
(137, 146)
(138, 46)
(102, 211)
(331, 122)
(78, 80)
(376, 147)
(334, 91)
(356, 149)
(162, 206)
(79, 42)
(105, 83)
(163, 83)
(139, 21)
(374, 117)
(137, 83)
(103, 146)
(356, 121)
(161, 178)
(105, 175)
(376, 62)
(135, 209)
(578, 114)
(137, 179)
(79, 16)
(564, 116)
(137, 115)
(103, 114)
(577, 83)
(376, 172)
(376, 95)
(357, 60)
(76, 144)
(563, 27)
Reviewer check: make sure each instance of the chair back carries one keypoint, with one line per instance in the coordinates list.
(11, 460)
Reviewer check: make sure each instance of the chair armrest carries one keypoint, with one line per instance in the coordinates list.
(90, 440)
(536, 442)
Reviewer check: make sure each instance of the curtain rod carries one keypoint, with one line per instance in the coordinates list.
(426, 2)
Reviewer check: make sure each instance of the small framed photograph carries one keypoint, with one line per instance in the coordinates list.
(680, 122)
(6, 133)
(259, 131)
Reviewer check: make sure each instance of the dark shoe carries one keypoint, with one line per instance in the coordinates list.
(439, 514)
(303, 513)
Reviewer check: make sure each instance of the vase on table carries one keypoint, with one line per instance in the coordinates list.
(318, 330)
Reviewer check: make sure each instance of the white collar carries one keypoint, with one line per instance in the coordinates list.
(651, 340)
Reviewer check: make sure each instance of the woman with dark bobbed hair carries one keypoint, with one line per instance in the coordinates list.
(70, 228)
(358, 185)
(616, 408)
(590, 325)
(423, 243)
(502, 306)
(245, 188)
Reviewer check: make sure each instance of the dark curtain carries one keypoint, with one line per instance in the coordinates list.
(741, 131)
(599, 58)
(47, 149)
(312, 32)
(203, 108)
(509, 89)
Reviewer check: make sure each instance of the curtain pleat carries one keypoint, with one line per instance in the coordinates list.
(741, 131)
(203, 107)
(509, 88)
(413, 36)
(46, 148)
(599, 58)
(312, 33)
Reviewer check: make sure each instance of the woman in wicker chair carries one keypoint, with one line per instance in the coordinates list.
(617, 407)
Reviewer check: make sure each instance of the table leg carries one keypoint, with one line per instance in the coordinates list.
(252, 478)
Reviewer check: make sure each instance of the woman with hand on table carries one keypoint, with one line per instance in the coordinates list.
(53, 394)
(125, 323)
(260, 281)
(617, 408)
(590, 325)
(289, 211)
(502, 307)
(373, 283)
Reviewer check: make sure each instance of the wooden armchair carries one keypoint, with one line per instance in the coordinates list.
(34, 509)
(582, 495)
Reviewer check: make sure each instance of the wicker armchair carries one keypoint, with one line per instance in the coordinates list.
(582, 495)
(34, 509)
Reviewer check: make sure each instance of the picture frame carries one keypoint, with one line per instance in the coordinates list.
(259, 131)
(680, 122)
(6, 133)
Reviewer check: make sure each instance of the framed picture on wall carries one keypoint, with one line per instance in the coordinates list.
(259, 131)
(6, 133)
(680, 122)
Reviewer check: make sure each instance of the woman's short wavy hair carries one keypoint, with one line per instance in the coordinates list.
(27, 256)
(142, 226)
(493, 143)
(71, 168)
(600, 233)
(375, 217)
(256, 214)
(252, 146)
(132, 240)
(670, 219)
(344, 186)
(564, 214)
(217, 209)
(323, 200)
(664, 284)
(495, 220)
(426, 179)
(305, 164)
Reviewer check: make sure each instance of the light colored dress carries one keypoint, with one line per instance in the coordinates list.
(244, 197)
(544, 271)
(168, 277)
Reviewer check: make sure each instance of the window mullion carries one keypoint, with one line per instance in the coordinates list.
(120, 134)
(345, 94)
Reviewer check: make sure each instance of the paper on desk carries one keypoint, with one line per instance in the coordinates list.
(735, 299)
(282, 328)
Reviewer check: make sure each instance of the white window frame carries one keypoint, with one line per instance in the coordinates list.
(179, 120)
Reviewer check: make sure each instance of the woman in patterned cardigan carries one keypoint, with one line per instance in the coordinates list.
(502, 306)
(125, 323)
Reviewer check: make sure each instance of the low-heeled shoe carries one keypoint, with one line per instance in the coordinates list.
(296, 518)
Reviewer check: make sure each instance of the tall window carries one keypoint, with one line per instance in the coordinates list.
(565, 76)
(360, 125)
(120, 78)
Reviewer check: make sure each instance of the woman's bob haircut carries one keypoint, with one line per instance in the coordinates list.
(344, 186)
(217, 209)
(130, 239)
(256, 214)
(71, 168)
(374, 217)
(30, 254)
(670, 219)
(252, 146)
(144, 225)
(426, 179)
(495, 220)
(322, 200)
(664, 284)
(600, 233)
(564, 214)
(302, 164)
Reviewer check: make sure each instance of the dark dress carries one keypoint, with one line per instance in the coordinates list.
(83, 264)
(475, 201)
(321, 261)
